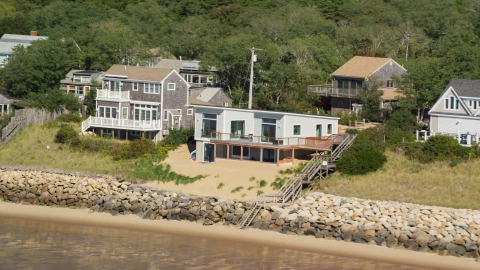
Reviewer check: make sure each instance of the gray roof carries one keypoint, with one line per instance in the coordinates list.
(8, 41)
(69, 77)
(208, 93)
(465, 88)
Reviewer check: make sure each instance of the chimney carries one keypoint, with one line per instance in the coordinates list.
(33, 33)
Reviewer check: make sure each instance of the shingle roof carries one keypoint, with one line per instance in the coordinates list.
(138, 73)
(8, 41)
(465, 88)
(361, 66)
(5, 100)
(208, 93)
(168, 63)
(69, 77)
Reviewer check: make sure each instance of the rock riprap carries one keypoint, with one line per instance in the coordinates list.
(446, 231)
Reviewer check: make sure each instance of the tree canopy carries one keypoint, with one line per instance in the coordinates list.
(303, 42)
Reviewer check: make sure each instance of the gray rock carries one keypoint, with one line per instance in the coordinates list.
(452, 248)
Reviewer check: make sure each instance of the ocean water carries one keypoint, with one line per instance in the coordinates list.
(30, 244)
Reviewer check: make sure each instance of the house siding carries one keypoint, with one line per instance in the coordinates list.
(220, 98)
(176, 99)
(387, 71)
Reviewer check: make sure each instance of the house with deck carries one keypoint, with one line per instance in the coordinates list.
(139, 102)
(262, 136)
(80, 82)
(457, 111)
(348, 81)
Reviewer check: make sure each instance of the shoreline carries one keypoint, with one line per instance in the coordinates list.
(259, 237)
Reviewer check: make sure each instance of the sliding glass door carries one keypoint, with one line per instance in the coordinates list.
(269, 127)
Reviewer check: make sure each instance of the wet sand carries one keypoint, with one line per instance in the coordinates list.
(259, 237)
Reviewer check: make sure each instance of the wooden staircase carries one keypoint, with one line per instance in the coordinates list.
(291, 189)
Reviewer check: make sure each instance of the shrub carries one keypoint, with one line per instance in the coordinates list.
(177, 137)
(134, 149)
(70, 118)
(66, 134)
(262, 183)
(360, 162)
(398, 136)
(401, 119)
(346, 117)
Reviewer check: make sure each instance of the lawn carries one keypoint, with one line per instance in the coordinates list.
(30, 148)
(409, 181)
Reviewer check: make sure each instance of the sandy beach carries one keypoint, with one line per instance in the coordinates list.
(232, 173)
(310, 244)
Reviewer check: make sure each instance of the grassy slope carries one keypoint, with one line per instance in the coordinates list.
(408, 181)
(30, 148)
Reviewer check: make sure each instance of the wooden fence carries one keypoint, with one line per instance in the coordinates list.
(23, 118)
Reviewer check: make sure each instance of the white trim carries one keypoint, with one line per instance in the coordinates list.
(174, 87)
(191, 111)
(154, 88)
(454, 116)
(133, 86)
(144, 102)
(300, 131)
(116, 76)
(265, 112)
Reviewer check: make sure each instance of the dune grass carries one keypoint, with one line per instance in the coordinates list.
(409, 181)
(29, 148)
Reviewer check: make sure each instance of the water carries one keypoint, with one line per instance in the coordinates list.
(27, 244)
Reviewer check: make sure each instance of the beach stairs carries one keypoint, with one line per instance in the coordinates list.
(291, 189)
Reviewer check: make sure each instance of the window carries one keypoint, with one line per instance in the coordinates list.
(165, 115)
(151, 88)
(108, 112)
(81, 78)
(125, 113)
(171, 86)
(329, 128)
(189, 111)
(342, 84)
(144, 112)
(135, 132)
(225, 104)
(209, 124)
(390, 83)
(80, 90)
(472, 104)
(296, 130)
(135, 86)
(237, 128)
(236, 151)
(114, 86)
(451, 103)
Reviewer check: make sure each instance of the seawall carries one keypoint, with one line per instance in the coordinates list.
(445, 231)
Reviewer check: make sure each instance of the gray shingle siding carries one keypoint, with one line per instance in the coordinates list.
(176, 99)
(387, 71)
(220, 98)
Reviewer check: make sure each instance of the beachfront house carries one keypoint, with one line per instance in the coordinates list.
(348, 80)
(139, 102)
(192, 73)
(258, 135)
(457, 111)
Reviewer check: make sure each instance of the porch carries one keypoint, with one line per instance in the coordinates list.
(102, 122)
(113, 95)
(328, 90)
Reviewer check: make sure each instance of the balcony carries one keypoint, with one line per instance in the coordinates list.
(94, 121)
(113, 95)
(327, 90)
(319, 143)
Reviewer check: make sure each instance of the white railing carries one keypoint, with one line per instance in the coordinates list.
(463, 139)
(120, 123)
(103, 93)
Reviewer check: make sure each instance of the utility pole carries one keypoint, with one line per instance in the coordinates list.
(254, 59)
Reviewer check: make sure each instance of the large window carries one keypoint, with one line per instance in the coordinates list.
(296, 130)
(151, 88)
(144, 112)
(209, 124)
(107, 112)
(236, 151)
(342, 84)
(237, 128)
(269, 127)
(81, 78)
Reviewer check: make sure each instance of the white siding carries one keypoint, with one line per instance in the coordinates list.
(457, 125)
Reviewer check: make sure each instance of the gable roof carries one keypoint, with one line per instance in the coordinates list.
(5, 100)
(208, 93)
(361, 66)
(194, 101)
(138, 73)
(171, 64)
(465, 88)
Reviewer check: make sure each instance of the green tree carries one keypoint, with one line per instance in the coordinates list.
(370, 98)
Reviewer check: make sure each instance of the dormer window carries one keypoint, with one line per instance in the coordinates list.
(451, 103)
(473, 104)
(81, 78)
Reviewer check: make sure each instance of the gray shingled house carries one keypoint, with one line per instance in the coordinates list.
(457, 111)
(139, 102)
(190, 70)
(348, 81)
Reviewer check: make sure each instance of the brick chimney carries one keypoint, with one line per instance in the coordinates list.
(33, 33)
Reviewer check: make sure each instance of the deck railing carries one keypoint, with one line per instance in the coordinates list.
(120, 123)
(103, 93)
(328, 90)
(314, 142)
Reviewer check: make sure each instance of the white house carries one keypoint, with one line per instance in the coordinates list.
(457, 111)
(265, 136)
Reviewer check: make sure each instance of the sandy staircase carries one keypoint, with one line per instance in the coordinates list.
(291, 189)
